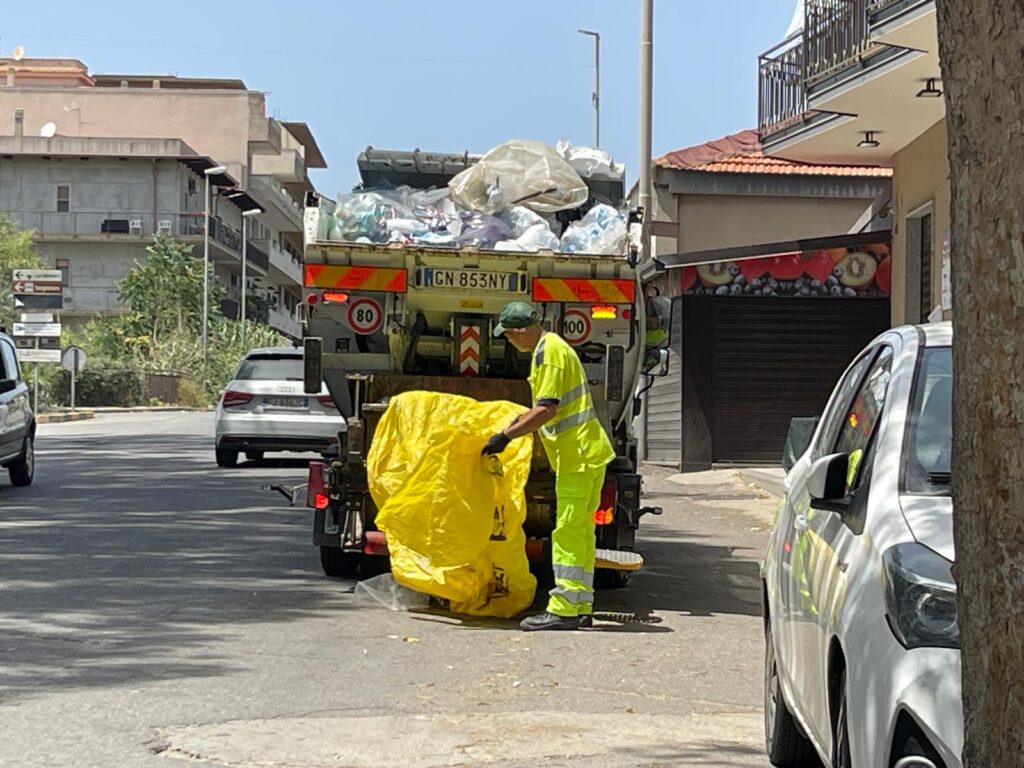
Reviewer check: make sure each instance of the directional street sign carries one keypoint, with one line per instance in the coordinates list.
(39, 355)
(37, 329)
(23, 286)
(38, 275)
(36, 301)
(35, 317)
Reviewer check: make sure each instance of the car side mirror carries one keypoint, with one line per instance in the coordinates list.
(657, 365)
(826, 483)
(8, 385)
(798, 439)
(312, 365)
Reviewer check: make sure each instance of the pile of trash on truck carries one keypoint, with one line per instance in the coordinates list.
(520, 196)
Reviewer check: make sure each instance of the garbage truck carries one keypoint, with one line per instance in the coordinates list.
(388, 312)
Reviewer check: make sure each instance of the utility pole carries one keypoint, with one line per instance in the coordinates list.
(246, 215)
(596, 96)
(646, 99)
(206, 268)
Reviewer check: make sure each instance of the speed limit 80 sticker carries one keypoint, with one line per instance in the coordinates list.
(575, 326)
(365, 316)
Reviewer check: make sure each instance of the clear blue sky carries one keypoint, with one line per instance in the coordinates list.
(447, 75)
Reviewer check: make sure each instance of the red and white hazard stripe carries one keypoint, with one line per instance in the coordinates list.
(469, 351)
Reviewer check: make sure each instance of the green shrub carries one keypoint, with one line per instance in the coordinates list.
(97, 386)
(191, 395)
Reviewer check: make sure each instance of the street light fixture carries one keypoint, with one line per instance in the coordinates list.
(246, 215)
(597, 83)
(216, 170)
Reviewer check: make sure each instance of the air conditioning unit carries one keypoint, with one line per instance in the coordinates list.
(163, 227)
(135, 227)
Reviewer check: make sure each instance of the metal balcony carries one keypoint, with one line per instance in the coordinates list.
(782, 97)
(836, 34)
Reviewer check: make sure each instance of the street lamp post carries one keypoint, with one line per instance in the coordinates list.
(206, 268)
(246, 215)
(597, 83)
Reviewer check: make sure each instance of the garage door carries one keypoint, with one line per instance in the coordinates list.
(776, 358)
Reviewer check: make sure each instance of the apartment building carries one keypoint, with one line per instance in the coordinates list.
(859, 82)
(143, 143)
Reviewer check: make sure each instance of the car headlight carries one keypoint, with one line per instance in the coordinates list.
(921, 597)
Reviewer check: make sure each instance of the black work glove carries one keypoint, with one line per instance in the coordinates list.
(496, 444)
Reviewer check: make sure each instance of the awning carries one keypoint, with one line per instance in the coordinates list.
(242, 200)
(761, 250)
(199, 165)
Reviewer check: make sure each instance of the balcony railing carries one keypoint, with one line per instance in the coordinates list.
(227, 236)
(257, 256)
(102, 223)
(835, 34)
(782, 98)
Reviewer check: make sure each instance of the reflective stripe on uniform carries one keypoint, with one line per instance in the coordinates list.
(572, 596)
(538, 359)
(571, 421)
(570, 572)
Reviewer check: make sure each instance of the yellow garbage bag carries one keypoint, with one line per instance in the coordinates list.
(453, 518)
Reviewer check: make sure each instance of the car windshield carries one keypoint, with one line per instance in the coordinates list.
(271, 368)
(930, 443)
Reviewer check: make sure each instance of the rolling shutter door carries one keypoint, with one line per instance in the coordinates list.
(776, 358)
(664, 431)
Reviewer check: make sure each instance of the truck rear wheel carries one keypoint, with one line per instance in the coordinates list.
(226, 458)
(338, 562)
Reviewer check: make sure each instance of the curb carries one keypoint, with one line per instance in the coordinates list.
(56, 418)
(148, 409)
(764, 481)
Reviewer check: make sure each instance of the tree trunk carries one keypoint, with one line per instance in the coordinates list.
(980, 43)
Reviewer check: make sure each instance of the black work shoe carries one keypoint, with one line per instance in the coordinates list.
(543, 621)
(586, 621)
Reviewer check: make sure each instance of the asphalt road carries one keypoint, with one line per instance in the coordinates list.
(153, 606)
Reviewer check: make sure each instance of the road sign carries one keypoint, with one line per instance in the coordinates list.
(73, 359)
(24, 286)
(35, 317)
(40, 275)
(36, 301)
(39, 355)
(37, 329)
(365, 316)
(575, 326)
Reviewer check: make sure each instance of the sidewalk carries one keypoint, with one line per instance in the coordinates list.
(59, 415)
(767, 481)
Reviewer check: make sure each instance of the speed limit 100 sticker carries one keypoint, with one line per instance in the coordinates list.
(575, 326)
(365, 316)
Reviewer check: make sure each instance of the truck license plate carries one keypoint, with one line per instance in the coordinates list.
(285, 402)
(473, 279)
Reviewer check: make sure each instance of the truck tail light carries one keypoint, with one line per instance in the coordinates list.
(317, 495)
(605, 513)
(334, 297)
(604, 311)
(233, 398)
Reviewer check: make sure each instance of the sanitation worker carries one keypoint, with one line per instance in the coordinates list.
(578, 450)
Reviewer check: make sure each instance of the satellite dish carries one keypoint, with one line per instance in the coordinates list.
(18, 53)
(48, 131)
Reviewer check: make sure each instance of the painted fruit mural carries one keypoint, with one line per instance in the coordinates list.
(863, 271)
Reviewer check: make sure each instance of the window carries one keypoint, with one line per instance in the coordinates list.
(193, 187)
(838, 406)
(63, 198)
(930, 435)
(862, 418)
(271, 368)
(10, 361)
(65, 271)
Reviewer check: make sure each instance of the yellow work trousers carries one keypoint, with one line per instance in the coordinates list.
(573, 543)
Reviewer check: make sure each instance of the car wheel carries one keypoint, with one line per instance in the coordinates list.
(23, 468)
(337, 562)
(841, 739)
(254, 455)
(787, 747)
(226, 458)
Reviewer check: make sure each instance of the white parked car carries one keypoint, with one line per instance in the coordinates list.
(263, 408)
(862, 660)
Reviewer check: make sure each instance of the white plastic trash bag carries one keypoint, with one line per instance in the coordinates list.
(602, 231)
(527, 173)
(589, 161)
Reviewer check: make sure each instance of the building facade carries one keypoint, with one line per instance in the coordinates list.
(221, 120)
(776, 276)
(859, 82)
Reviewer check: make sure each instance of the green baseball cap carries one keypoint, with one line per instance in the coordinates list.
(515, 314)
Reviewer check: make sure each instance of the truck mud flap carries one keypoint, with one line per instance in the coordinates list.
(341, 525)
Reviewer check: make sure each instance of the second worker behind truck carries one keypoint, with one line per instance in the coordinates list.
(578, 450)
